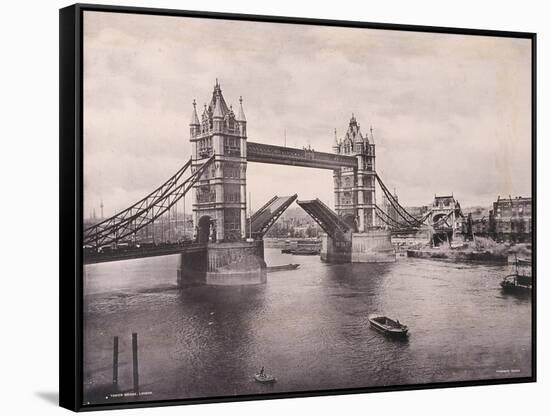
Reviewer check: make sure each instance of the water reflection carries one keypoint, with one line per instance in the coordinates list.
(308, 327)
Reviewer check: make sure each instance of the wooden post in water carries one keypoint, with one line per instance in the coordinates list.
(115, 361)
(135, 362)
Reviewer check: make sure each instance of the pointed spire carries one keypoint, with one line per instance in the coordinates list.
(240, 116)
(194, 117)
(218, 113)
(336, 145)
(217, 88)
(218, 105)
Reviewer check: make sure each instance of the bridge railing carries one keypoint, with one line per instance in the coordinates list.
(138, 251)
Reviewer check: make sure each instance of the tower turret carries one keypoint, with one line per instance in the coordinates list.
(336, 145)
(241, 119)
(240, 116)
(194, 125)
(217, 115)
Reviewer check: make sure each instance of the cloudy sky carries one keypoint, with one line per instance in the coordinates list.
(450, 113)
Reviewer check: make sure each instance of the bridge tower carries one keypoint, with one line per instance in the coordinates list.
(444, 218)
(219, 206)
(354, 189)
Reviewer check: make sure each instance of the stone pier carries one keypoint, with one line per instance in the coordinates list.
(226, 263)
(370, 247)
(336, 250)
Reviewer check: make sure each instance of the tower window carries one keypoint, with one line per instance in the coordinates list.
(232, 146)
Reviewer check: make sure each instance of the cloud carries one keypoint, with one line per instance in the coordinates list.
(451, 113)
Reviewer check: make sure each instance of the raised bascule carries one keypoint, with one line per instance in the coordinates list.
(228, 245)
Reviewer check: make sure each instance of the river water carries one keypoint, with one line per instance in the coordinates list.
(308, 327)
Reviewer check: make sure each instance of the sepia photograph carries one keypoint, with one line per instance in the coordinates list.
(276, 207)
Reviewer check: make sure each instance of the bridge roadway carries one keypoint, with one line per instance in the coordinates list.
(266, 216)
(328, 220)
(162, 249)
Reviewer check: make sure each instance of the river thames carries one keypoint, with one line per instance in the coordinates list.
(308, 327)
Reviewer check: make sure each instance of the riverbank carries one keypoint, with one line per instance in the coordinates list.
(480, 250)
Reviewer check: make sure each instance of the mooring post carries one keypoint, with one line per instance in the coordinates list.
(115, 361)
(135, 362)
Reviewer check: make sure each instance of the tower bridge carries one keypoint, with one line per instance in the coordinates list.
(228, 245)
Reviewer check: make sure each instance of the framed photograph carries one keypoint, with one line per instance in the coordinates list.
(257, 207)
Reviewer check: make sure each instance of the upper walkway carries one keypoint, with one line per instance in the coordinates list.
(306, 157)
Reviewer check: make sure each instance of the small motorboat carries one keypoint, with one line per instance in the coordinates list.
(389, 327)
(264, 378)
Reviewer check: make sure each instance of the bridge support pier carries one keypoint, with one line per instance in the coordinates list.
(370, 247)
(336, 250)
(224, 263)
(373, 246)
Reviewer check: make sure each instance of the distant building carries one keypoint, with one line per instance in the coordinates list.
(511, 219)
(476, 221)
(480, 226)
(294, 223)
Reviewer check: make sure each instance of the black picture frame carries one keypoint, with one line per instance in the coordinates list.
(71, 201)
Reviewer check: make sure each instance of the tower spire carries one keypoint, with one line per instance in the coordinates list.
(336, 145)
(218, 113)
(194, 116)
(240, 116)
(218, 104)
